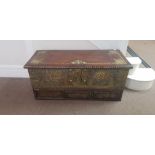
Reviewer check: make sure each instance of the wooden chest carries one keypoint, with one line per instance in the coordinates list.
(78, 74)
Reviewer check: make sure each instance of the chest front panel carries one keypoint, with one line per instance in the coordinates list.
(77, 78)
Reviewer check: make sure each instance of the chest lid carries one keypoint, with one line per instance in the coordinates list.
(78, 59)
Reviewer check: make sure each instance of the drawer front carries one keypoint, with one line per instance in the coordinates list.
(78, 78)
(78, 94)
(62, 94)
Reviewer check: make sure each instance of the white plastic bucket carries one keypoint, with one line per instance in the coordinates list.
(135, 62)
(142, 79)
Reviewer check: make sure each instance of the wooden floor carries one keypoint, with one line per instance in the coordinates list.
(16, 96)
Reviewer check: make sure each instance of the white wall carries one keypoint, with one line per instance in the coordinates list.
(14, 54)
(111, 44)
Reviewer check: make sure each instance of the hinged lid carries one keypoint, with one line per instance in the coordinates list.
(78, 59)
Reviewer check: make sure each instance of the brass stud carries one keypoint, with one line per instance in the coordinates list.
(84, 80)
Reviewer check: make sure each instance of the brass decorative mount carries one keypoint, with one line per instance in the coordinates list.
(78, 62)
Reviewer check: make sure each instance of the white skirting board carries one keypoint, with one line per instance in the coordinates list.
(13, 71)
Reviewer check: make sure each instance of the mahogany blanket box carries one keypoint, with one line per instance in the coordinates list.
(78, 74)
